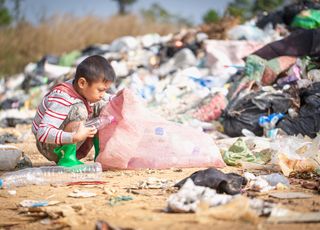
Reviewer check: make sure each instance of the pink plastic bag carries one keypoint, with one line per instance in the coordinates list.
(141, 139)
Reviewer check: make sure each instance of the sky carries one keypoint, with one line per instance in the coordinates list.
(34, 10)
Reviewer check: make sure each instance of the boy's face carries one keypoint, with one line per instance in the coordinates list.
(95, 91)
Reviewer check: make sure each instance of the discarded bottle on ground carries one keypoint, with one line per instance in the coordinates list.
(51, 175)
(100, 122)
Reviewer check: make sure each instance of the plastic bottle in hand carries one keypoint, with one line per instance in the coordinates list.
(51, 175)
(100, 122)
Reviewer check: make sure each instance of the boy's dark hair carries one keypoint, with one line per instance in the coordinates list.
(95, 68)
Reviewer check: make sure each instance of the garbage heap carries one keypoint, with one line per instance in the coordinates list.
(189, 78)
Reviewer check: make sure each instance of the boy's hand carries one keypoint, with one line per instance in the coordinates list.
(83, 133)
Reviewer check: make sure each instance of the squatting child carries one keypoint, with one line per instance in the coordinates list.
(58, 125)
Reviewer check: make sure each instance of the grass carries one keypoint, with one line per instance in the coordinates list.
(26, 43)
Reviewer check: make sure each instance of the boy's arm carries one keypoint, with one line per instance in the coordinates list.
(54, 116)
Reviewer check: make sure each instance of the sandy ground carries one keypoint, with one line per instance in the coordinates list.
(146, 210)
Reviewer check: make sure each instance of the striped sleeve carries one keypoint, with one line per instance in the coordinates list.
(56, 110)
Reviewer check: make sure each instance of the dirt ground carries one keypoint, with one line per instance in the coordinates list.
(145, 210)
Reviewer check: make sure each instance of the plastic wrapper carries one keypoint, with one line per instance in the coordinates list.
(297, 154)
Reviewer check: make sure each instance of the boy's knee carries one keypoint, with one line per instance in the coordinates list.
(47, 150)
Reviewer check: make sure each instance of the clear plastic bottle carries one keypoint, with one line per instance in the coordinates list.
(100, 122)
(51, 175)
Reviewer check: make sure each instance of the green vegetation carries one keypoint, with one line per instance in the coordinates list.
(5, 17)
(211, 16)
(246, 9)
(266, 5)
(156, 13)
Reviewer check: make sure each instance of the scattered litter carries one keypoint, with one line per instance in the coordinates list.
(290, 195)
(117, 199)
(85, 194)
(62, 215)
(297, 154)
(37, 203)
(137, 192)
(12, 192)
(155, 183)
(190, 196)
(207, 203)
(239, 152)
(281, 215)
(109, 191)
(265, 183)
(46, 221)
(237, 209)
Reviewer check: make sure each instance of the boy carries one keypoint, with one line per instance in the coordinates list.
(59, 122)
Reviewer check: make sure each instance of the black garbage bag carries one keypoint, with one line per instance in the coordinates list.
(308, 120)
(297, 44)
(230, 183)
(244, 112)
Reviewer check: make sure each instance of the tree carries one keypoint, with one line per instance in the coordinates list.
(211, 16)
(123, 4)
(240, 8)
(246, 9)
(266, 5)
(156, 13)
(5, 17)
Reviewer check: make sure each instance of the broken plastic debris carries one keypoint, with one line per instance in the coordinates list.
(237, 209)
(37, 203)
(77, 194)
(12, 192)
(115, 200)
(190, 195)
(265, 183)
(290, 195)
(281, 215)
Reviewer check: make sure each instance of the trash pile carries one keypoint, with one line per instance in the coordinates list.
(189, 78)
(257, 82)
(257, 93)
(183, 72)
